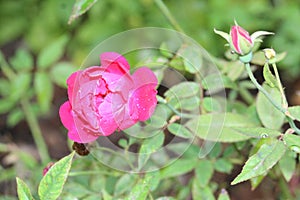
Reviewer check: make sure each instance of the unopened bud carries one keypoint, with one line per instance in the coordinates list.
(269, 53)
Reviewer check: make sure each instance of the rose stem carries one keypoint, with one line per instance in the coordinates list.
(164, 9)
(284, 101)
(268, 96)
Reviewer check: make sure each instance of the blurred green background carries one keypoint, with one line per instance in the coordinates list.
(34, 24)
(39, 28)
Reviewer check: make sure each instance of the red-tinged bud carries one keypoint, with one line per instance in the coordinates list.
(46, 169)
(240, 40)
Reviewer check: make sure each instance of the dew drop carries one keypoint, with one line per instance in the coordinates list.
(295, 148)
(264, 135)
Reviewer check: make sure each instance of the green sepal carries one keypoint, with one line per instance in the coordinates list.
(246, 58)
(224, 35)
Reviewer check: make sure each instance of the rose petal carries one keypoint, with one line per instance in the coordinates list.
(67, 120)
(114, 63)
(143, 100)
(143, 76)
(121, 112)
(107, 121)
(235, 39)
(66, 115)
(81, 137)
(71, 83)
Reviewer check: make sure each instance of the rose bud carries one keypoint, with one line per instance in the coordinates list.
(239, 39)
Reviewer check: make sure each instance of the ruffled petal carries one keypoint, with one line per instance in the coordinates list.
(65, 113)
(71, 82)
(107, 120)
(121, 112)
(114, 63)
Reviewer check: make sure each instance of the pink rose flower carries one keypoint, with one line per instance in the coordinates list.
(106, 98)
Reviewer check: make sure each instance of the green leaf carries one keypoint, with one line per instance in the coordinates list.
(60, 72)
(233, 69)
(182, 90)
(52, 183)
(179, 130)
(215, 151)
(211, 104)
(268, 114)
(123, 143)
(177, 64)
(258, 132)
(154, 179)
(269, 77)
(184, 192)
(220, 127)
(124, 184)
(287, 165)
(217, 82)
(165, 51)
(192, 59)
(295, 112)
(23, 190)
(79, 8)
(259, 58)
(20, 86)
(223, 165)
(292, 141)
(22, 61)
(203, 172)
(178, 167)
(44, 90)
(7, 174)
(223, 195)
(165, 198)
(280, 56)
(93, 197)
(51, 53)
(255, 181)
(200, 193)
(6, 105)
(4, 87)
(141, 189)
(188, 104)
(14, 117)
(80, 191)
(157, 121)
(149, 146)
(262, 161)
(106, 195)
